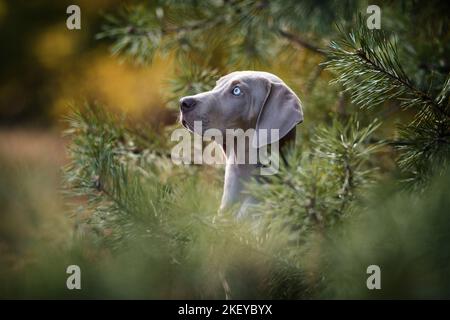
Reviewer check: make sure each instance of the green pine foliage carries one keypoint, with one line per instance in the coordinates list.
(368, 66)
(322, 220)
(316, 187)
(406, 234)
(135, 197)
(138, 200)
(247, 28)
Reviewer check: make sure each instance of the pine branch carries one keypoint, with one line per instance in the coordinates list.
(368, 66)
(105, 169)
(402, 81)
(322, 182)
(138, 31)
(296, 39)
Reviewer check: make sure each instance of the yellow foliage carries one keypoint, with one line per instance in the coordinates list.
(123, 86)
(55, 45)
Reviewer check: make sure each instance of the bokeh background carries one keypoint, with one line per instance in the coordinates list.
(44, 70)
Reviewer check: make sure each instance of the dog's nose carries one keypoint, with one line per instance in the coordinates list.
(187, 103)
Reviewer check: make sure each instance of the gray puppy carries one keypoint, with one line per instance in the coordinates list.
(244, 100)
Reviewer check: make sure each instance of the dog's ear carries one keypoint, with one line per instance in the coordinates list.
(280, 110)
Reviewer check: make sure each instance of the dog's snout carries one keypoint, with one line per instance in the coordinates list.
(187, 103)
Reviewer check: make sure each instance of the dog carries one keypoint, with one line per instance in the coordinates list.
(244, 100)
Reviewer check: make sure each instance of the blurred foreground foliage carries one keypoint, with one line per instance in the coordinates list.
(148, 229)
(406, 234)
(159, 220)
(140, 200)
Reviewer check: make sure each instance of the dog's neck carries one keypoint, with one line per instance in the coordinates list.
(236, 175)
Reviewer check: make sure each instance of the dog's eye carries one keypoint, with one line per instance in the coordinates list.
(236, 91)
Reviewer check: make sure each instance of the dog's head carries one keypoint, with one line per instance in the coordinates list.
(244, 100)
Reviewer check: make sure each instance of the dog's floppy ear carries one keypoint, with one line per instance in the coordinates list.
(280, 110)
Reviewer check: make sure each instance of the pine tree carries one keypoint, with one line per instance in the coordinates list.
(135, 193)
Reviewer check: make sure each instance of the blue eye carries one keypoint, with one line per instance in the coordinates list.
(236, 91)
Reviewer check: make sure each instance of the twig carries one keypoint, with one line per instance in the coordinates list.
(296, 39)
